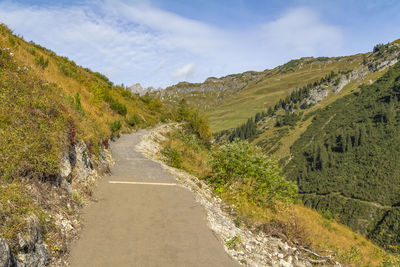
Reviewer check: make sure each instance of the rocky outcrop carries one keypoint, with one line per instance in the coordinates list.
(6, 260)
(31, 249)
(78, 171)
(83, 168)
(138, 89)
(212, 91)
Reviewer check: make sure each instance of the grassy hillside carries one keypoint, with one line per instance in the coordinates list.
(231, 100)
(296, 223)
(356, 184)
(276, 84)
(45, 97)
(347, 160)
(47, 105)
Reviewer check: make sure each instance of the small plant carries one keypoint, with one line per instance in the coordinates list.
(115, 105)
(77, 197)
(327, 214)
(155, 104)
(351, 256)
(115, 127)
(133, 120)
(41, 62)
(32, 50)
(77, 104)
(237, 221)
(12, 40)
(390, 261)
(173, 156)
(233, 242)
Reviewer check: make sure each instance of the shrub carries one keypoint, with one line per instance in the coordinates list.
(198, 124)
(115, 105)
(98, 92)
(288, 119)
(41, 62)
(183, 110)
(133, 120)
(242, 167)
(77, 104)
(173, 156)
(12, 40)
(146, 98)
(155, 104)
(68, 68)
(115, 127)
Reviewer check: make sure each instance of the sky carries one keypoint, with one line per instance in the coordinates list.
(162, 42)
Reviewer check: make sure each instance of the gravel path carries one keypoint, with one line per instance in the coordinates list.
(135, 223)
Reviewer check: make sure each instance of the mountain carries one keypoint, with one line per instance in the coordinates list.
(231, 100)
(138, 89)
(337, 137)
(347, 161)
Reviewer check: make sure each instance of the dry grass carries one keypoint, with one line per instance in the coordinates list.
(281, 149)
(296, 224)
(258, 96)
(304, 227)
(39, 120)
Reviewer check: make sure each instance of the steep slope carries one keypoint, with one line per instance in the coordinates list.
(232, 99)
(275, 129)
(210, 93)
(56, 120)
(347, 161)
(338, 139)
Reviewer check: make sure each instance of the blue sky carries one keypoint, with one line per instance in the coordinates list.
(160, 42)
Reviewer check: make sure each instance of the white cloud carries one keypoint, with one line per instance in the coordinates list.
(184, 73)
(300, 31)
(137, 42)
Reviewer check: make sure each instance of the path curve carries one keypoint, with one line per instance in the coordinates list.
(137, 224)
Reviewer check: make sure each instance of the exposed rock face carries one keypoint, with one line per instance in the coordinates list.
(317, 95)
(66, 167)
(138, 89)
(6, 259)
(83, 166)
(213, 90)
(77, 171)
(32, 251)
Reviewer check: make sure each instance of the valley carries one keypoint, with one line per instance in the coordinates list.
(298, 164)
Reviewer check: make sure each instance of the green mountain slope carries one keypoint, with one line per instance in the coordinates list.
(347, 161)
(230, 100)
(338, 138)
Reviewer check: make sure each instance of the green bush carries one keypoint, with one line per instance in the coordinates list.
(173, 156)
(198, 125)
(352, 148)
(133, 120)
(115, 105)
(288, 119)
(41, 62)
(115, 127)
(68, 68)
(240, 164)
(77, 104)
(327, 214)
